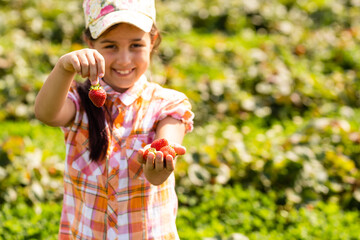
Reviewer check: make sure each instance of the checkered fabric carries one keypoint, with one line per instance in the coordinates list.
(112, 199)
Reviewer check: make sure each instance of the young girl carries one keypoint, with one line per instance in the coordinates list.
(110, 192)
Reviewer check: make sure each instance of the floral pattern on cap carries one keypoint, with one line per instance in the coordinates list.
(109, 11)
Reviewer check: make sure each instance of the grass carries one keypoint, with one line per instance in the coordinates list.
(35, 134)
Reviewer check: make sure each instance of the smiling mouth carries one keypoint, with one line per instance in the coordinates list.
(124, 72)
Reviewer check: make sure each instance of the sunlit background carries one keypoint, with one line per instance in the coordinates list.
(274, 84)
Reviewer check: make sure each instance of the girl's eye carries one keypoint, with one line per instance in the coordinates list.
(136, 45)
(110, 46)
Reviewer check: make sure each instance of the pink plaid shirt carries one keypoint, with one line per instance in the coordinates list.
(112, 199)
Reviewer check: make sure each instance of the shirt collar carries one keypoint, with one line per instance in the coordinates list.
(130, 95)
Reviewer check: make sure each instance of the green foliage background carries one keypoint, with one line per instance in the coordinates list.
(275, 88)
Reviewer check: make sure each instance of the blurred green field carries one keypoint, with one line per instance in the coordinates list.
(275, 87)
(36, 134)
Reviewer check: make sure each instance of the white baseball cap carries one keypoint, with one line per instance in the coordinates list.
(102, 14)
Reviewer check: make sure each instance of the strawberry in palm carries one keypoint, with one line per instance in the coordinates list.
(97, 95)
(168, 150)
(159, 143)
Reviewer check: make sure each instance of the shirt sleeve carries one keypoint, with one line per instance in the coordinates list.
(74, 96)
(177, 105)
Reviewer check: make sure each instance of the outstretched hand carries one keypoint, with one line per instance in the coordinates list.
(157, 168)
(85, 62)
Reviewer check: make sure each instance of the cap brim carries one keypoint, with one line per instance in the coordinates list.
(122, 16)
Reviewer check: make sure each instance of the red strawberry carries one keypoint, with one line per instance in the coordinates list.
(168, 150)
(147, 151)
(159, 143)
(97, 95)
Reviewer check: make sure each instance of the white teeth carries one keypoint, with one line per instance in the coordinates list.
(124, 72)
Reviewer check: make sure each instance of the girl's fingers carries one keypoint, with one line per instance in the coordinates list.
(84, 64)
(100, 61)
(140, 156)
(92, 68)
(170, 163)
(96, 66)
(159, 161)
(149, 165)
(75, 62)
(180, 150)
(88, 63)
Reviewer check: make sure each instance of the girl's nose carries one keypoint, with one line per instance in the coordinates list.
(123, 57)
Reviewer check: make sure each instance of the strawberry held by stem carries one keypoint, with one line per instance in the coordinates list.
(97, 95)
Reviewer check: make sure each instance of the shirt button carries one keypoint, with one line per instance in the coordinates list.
(112, 197)
(113, 172)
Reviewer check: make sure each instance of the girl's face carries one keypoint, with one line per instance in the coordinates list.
(126, 50)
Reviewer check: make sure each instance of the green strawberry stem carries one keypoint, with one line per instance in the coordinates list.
(95, 87)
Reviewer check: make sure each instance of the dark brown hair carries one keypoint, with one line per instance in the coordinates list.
(98, 134)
